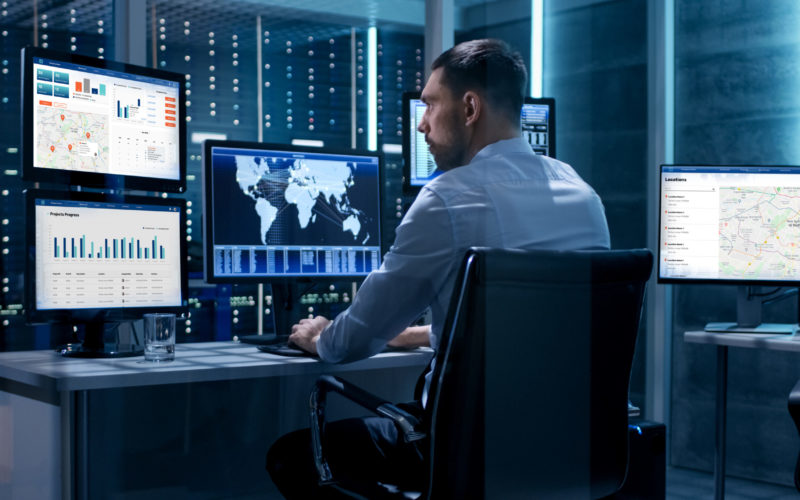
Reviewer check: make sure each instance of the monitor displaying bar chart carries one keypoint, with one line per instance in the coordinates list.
(92, 254)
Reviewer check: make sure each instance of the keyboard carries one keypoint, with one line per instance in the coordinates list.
(282, 348)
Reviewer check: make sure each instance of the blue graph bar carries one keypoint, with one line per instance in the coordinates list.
(83, 246)
(122, 247)
(162, 252)
(146, 253)
(55, 247)
(119, 112)
(153, 253)
(130, 249)
(65, 248)
(115, 248)
(107, 251)
(138, 250)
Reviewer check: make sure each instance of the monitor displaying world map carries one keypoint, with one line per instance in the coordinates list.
(283, 211)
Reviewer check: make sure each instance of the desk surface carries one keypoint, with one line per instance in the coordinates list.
(195, 362)
(752, 340)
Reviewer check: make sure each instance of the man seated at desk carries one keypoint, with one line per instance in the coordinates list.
(494, 192)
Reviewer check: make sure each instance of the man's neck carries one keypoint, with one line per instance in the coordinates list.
(489, 132)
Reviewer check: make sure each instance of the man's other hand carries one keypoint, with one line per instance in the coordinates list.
(305, 334)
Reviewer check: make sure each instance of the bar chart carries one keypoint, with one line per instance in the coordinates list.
(129, 110)
(109, 248)
(84, 86)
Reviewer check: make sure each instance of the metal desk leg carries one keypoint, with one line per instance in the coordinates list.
(67, 445)
(722, 396)
(82, 445)
(74, 445)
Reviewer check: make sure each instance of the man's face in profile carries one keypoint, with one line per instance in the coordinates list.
(443, 123)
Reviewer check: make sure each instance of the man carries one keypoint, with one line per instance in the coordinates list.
(494, 192)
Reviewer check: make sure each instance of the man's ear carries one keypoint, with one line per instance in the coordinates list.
(472, 107)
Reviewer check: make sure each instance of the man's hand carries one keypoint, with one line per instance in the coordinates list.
(306, 333)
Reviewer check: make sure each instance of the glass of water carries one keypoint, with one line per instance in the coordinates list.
(159, 337)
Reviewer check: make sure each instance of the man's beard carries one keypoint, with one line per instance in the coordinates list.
(448, 157)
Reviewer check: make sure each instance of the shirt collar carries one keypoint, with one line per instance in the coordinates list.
(514, 145)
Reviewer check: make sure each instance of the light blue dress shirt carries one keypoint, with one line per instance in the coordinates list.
(506, 197)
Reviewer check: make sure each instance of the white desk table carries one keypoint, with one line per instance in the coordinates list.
(64, 384)
(723, 341)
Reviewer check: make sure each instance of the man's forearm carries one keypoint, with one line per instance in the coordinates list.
(413, 336)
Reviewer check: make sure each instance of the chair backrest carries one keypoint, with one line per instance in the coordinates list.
(529, 395)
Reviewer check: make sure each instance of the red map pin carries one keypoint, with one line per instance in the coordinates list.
(88, 134)
(52, 148)
(69, 146)
(62, 118)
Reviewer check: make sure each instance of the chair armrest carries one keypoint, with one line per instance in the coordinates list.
(405, 422)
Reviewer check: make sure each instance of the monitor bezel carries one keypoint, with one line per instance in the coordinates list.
(93, 179)
(411, 190)
(208, 243)
(115, 314)
(710, 281)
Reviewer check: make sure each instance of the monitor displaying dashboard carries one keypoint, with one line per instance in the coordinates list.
(97, 257)
(537, 121)
(278, 212)
(737, 224)
(94, 122)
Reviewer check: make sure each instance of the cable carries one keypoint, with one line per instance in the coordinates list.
(767, 294)
(786, 294)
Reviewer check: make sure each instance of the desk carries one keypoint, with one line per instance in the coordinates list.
(62, 386)
(723, 341)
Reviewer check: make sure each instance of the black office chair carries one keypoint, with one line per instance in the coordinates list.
(529, 397)
(794, 411)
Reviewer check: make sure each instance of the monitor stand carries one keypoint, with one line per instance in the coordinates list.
(93, 345)
(748, 316)
(283, 313)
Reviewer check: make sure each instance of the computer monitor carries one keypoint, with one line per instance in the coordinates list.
(538, 122)
(731, 225)
(94, 122)
(284, 214)
(94, 258)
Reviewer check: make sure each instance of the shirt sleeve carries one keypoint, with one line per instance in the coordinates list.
(392, 297)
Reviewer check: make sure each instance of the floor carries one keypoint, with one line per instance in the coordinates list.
(686, 484)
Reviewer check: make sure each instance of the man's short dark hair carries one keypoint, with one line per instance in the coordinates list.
(489, 67)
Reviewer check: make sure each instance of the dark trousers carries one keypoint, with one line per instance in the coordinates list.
(359, 450)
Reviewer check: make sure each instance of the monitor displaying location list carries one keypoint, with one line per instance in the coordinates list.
(275, 212)
(94, 122)
(537, 121)
(94, 258)
(730, 224)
